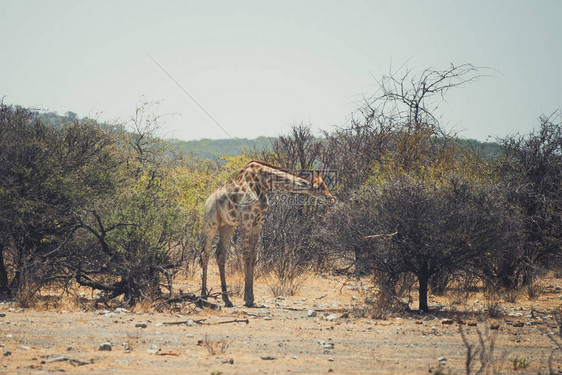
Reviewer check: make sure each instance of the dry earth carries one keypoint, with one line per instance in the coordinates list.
(278, 338)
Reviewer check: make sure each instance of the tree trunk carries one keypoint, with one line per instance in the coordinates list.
(4, 287)
(423, 281)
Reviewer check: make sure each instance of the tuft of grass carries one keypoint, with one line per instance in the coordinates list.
(535, 289)
(519, 363)
(285, 289)
(290, 286)
(510, 295)
(215, 347)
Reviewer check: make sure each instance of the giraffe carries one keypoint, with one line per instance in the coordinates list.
(243, 202)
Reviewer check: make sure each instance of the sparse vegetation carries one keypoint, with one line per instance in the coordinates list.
(215, 346)
(112, 209)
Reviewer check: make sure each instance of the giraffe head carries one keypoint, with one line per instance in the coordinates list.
(319, 189)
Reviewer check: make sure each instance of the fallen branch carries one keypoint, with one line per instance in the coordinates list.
(72, 361)
(229, 321)
(202, 322)
(199, 321)
(190, 297)
(381, 235)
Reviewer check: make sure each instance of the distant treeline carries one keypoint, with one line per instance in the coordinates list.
(215, 148)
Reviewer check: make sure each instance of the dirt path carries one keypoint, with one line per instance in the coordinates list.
(283, 337)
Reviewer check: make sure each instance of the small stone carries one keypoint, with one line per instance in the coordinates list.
(23, 347)
(190, 323)
(442, 361)
(513, 314)
(330, 359)
(447, 321)
(121, 310)
(106, 346)
(7, 353)
(2, 315)
(140, 325)
(311, 313)
(331, 317)
(153, 349)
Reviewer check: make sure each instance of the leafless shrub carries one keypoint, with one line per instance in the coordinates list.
(492, 302)
(531, 170)
(481, 351)
(462, 288)
(287, 239)
(385, 304)
(556, 338)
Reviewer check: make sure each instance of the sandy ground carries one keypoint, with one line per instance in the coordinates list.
(282, 337)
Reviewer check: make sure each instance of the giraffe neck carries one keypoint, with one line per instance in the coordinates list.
(269, 177)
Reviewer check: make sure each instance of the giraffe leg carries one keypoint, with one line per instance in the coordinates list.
(225, 233)
(250, 244)
(211, 231)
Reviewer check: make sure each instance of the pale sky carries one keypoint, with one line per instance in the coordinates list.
(259, 67)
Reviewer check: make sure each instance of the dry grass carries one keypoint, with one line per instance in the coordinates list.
(511, 295)
(236, 283)
(213, 346)
(535, 289)
(286, 287)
